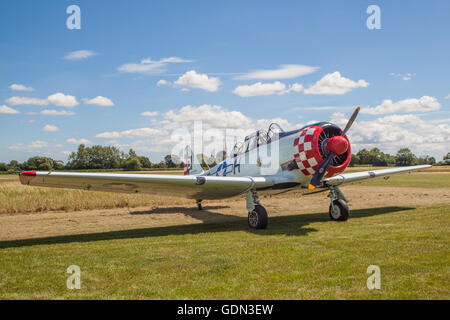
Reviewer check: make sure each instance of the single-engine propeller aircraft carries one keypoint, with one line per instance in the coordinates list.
(308, 160)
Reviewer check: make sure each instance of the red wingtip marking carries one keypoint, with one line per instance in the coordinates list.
(26, 176)
(28, 173)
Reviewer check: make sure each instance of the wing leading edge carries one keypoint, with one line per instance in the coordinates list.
(358, 176)
(193, 187)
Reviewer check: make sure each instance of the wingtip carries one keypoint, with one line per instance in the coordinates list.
(26, 176)
(358, 108)
(28, 173)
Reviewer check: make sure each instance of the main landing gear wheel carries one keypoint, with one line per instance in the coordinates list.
(339, 210)
(257, 219)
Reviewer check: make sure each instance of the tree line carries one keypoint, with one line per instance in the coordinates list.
(404, 157)
(111, 158)
(93, 158)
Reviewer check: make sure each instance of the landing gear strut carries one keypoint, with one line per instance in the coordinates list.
(199, 205)
(257, 215)
(338, 207)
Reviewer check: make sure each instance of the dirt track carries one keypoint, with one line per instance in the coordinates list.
(35, 225)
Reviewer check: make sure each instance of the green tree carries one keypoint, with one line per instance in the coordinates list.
(79, 159)
(364, 156)
(160, 165)
(375, 157)
(446, 159)
(378, 158)
(14, 165)
(169, 161)
(3, 166)
(390, 159)
(95, 157)
(133, 164)
(45, 166)
(426, 160)
(145, 162)
(354, 160)
(38, 163)
(405, 158)
(132, 154)
(58, 165)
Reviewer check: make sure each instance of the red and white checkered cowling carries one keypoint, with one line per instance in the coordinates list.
(307, 152)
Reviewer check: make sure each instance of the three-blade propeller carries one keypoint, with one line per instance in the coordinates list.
(336, 146)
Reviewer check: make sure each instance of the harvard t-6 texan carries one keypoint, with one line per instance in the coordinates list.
(307, 160)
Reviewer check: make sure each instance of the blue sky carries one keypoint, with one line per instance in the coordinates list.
(316, 60)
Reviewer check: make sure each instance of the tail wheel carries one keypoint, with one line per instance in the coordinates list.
(257, 219)
(339, 211)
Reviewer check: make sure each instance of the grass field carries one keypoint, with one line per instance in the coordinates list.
(17, 198)
(213, 255)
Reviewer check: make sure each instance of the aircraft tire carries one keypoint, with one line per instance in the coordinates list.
(258, 219)
(342, 211)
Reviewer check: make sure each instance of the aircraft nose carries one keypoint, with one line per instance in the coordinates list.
(337, 144)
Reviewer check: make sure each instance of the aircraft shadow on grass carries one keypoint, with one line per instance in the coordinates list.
(292, 225)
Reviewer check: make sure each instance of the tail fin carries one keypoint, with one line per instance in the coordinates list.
(191, 164)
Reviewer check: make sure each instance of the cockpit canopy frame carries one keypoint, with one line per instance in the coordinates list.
(256, 139)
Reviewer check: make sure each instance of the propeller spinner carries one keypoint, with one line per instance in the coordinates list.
(336, 146)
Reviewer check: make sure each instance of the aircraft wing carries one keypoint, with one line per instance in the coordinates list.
(358, 176)
(188, 186)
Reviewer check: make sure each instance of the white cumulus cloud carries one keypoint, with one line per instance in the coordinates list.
(78, 141)
(38, 144)
(7, 110)
(132, 133)
(334, 83)
(285, 71)
(62, 100)
(259, 88)
(99, 101)
(211, 116)
(149, 114)
(149, 66)
(165, 60)
(48, 112)
(57, 99)
(15, 101)
(193, 79)
(80, 54)
(50, 128)
(423, 104)
(20, 87)
(162, 82)
(404, 76)
(31, 147)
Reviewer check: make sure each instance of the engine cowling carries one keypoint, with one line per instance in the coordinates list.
(313, 144)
